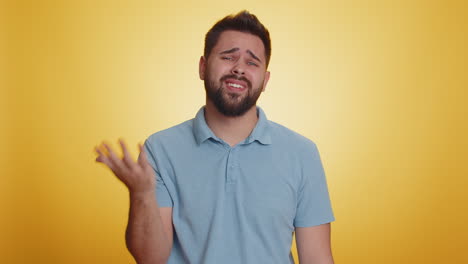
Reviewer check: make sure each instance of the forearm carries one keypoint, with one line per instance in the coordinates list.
(318, 260)
(145, 237)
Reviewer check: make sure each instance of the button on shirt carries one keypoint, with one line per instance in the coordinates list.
(237, 204)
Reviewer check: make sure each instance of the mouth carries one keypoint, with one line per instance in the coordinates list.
(235, 85)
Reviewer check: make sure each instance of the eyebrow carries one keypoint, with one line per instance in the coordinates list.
(237, 49)
(253, 56)
(229, 51)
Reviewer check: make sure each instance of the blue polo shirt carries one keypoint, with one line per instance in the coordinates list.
(237, 204)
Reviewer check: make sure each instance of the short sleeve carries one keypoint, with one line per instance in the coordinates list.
(162, 193)
(313, 200)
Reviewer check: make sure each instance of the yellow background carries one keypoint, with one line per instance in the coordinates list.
(380, 86)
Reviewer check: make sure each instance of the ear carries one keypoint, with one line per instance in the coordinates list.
(265, 81)
(202, 67)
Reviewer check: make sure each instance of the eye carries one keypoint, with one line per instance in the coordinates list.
(226, 58)
(252, 63)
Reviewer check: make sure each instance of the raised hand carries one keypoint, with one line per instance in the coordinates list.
(138, 176)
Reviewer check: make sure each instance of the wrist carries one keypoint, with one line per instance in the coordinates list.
(143, 195)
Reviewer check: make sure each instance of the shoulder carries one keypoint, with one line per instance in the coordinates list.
(288, 138)
(177, 133)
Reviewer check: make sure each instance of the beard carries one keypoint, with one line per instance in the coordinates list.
(231, 103)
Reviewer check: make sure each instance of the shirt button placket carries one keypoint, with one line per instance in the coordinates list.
(231, 166)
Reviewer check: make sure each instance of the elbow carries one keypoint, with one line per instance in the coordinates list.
(147, 256)
(151, 261)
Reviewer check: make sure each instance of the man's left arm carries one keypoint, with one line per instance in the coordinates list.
(313, 244)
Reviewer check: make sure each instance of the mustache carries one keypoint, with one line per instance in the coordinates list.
(235, 77)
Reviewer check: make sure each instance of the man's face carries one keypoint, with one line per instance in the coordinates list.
(235, 72)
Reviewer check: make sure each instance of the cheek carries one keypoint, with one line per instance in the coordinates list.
(257, 80)
(216, 72)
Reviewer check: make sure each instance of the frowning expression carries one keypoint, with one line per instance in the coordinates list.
(235, 72)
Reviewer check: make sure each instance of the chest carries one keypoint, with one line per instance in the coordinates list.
(252, 187)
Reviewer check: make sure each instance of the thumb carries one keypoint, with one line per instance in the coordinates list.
(142, 158)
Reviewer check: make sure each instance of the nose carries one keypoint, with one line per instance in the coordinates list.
(238, 69)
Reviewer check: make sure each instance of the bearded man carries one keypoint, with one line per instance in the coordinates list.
(229, 185)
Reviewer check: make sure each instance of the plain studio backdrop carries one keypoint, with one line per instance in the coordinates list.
(379, 86)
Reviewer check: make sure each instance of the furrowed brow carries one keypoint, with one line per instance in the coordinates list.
(253, 56)
(229, 51)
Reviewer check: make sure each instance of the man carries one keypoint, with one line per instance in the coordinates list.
(228, 186)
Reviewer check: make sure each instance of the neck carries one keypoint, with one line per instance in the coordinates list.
(230, 129)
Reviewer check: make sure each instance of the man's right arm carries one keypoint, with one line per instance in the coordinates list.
(149, 233)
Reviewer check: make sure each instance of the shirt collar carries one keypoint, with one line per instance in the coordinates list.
(261, 133)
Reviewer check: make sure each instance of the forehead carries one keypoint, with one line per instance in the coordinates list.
(244, 41)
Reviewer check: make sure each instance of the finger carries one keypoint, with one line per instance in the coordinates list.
(102, 158)
(142, 158)
(114, 159)
(127, 158)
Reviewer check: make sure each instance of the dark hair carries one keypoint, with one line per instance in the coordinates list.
(243, 22)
